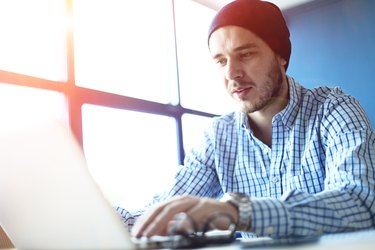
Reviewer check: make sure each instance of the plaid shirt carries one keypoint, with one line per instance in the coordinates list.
(317, 177)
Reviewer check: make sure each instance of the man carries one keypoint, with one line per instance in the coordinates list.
(293, 161)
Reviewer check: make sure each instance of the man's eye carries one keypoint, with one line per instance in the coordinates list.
(221, 62)
(246, 54)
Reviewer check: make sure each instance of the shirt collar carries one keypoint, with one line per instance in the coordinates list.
(243, 120)
(289, 114)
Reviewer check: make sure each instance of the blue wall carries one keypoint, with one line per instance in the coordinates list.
(333, 44)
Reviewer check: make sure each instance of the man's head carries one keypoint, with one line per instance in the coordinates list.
(264, 19)
(249, 42)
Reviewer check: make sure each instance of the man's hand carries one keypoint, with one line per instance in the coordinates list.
(160, 219)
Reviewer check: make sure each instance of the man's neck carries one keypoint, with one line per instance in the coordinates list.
(261, 121)
(261, 127)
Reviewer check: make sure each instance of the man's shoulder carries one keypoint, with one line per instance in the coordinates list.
(227, 125)
(229, 118)
(330, 96)
(230, 121)
(329, 100)
(322, 99)
(321, 94)
(326, 91)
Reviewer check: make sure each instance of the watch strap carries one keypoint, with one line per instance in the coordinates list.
(242, 203)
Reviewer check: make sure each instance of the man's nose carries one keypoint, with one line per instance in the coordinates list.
(234, 71)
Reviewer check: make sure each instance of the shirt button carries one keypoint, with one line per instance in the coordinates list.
(269, 230)
(275, 179)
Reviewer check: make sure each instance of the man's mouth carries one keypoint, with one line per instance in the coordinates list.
(242, 92)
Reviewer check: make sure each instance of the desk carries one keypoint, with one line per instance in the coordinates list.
(363, 240)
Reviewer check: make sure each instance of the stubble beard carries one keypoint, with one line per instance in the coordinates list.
(267, 92)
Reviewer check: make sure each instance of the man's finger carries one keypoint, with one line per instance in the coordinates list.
(147, 220)
(159, 225)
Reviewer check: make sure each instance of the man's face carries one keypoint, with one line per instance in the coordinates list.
(253, 74)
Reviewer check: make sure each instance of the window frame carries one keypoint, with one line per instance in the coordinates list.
(77, 96)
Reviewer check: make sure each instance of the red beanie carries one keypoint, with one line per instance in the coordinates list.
(262, 18)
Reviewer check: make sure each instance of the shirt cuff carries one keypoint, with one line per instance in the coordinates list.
(269, 217)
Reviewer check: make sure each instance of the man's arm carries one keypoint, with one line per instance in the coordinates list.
(159, 220)
(348, 196)
(347, 199)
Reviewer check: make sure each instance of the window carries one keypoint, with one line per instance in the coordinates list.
(134, 83)
(33, 38)
(122, 47)
(24, 106)
(201, 86)
(123, 147)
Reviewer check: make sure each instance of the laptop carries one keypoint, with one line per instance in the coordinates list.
(49, 199)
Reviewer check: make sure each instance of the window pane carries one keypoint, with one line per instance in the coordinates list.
(33, 40)
(200, 84)
(21, 107)
(193, 127)
(125, 48)
(129, 152)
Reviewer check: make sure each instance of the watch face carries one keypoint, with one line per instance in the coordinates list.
(237, 195)
(243, 204)
(236, 198)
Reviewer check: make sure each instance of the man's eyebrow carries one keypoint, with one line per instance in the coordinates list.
(242, 47)
(245, 46)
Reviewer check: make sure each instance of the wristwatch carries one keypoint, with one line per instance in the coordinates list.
(242, 203)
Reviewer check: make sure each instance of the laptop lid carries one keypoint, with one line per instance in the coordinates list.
(49, 199)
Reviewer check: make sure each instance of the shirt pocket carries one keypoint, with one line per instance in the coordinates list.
(310, 182)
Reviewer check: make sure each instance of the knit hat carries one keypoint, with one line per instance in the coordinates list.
(262, 18)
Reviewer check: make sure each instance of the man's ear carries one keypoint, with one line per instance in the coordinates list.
(281, 60)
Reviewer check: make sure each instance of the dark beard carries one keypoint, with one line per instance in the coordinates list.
(269, 92)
